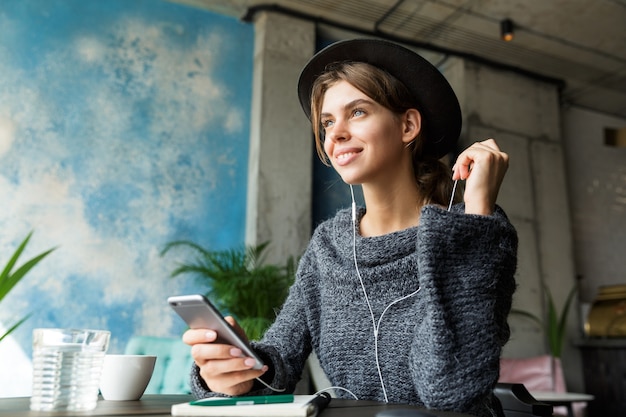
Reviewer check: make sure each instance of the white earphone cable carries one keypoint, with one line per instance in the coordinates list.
(269, 386)
(341, 388)
(452, 196)
(375, 325)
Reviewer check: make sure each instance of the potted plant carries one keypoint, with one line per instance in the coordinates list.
(239, 282)
(9, 278)
(553, 326)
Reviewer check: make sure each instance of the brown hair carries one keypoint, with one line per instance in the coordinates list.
(432, 176)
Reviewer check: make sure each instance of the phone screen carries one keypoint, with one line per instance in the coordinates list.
(199, 313)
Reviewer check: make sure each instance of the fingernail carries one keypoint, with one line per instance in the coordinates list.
(235, 352)
(249, 362)
(210, 335)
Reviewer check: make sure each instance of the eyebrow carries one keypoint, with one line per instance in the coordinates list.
(350, 105)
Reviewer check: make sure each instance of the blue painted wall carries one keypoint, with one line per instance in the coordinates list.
(123, 125)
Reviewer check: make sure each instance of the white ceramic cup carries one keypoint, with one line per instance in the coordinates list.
(125, 377)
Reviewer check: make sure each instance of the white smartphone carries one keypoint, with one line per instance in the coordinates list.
(199, 313)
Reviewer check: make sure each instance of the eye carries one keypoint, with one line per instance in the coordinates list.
(326, 123)
(358, 112)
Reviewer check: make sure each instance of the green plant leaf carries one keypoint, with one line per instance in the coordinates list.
(6, 278)
(239, 282)
(15, 326)
(529, 316)
(561, 326)
(9, 279)
(554, 324)
(552, 320)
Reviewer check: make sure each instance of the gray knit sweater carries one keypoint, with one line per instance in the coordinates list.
(439, 348)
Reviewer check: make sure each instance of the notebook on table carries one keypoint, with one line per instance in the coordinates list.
(287, 406)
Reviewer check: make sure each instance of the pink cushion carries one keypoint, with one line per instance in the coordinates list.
(535, 373)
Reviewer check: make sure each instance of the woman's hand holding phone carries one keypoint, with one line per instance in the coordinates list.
(219, 346)
(222, 366)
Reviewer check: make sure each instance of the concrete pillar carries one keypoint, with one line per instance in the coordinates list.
(280, 161)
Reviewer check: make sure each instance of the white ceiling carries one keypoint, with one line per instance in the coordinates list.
(579, 44)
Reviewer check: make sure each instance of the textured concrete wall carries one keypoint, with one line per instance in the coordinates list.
(280, 167)
(597, 187)
(523, 115)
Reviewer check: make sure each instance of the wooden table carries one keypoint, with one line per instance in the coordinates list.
(562, 399)
(149, 406)
(160, 405)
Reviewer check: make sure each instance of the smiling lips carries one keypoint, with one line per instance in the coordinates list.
(345, 157)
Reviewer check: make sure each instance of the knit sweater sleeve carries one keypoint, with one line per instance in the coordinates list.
(285, 346)
(287, 343)
(466, 267)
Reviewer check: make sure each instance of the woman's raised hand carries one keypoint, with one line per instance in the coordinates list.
(483, 166)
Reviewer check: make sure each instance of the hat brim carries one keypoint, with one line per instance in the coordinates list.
(434, 97)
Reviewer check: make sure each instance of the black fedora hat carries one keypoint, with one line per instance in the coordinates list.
(434, 97)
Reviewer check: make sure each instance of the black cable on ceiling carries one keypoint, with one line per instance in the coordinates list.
(251, 11)
(552, 38)
(386, 14)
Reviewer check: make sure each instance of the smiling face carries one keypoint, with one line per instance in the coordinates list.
(364, 141)
(371, 111)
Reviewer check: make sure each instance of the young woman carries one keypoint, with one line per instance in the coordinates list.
(406, 299)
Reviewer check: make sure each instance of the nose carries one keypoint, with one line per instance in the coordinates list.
(338, 131)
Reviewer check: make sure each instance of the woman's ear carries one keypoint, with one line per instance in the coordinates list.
(412, 122)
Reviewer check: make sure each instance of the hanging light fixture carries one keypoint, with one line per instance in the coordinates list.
(506, 30)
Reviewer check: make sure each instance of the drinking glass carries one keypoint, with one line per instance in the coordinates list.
(66, 368)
